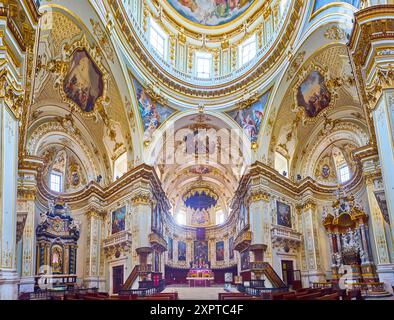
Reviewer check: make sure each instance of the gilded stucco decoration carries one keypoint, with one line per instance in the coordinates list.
(313, 96)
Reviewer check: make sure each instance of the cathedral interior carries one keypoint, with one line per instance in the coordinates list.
(206, 149)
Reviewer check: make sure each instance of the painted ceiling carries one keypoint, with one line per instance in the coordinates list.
(211, 12)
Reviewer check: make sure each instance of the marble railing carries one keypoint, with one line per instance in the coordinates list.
(283, 233)
(120, 238)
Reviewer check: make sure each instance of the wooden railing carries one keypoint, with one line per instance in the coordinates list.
(260, 292)
(138, 269)
(144, 292)
(272, 276)
(321, 285)
(131, 278)
(54, 294)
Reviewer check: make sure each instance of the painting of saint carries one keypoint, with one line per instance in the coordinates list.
(220, 251)
(181, 251)
(325, 171)
(118, 220)
(243, 215)
(245, 260)
(283, 211)
(313, 95)
(57, 259)
(231, 248)
(211, 12)
(153, 114)
(157, 262)
(170, 248)
(83, 83)
(250, 118)
(201, 252)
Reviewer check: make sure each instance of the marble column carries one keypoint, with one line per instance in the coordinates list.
(260, 225)
(26, 209)
(94, 223)
(385, 267)
(314, 271)
(142, 211)
(8, 193)
(383, 117)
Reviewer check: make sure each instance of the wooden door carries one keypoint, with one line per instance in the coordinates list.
(117, 279)
(287, 272)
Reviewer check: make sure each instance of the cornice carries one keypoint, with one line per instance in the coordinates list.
(107, 195)
(259, 170)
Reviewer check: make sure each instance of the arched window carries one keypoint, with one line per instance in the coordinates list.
(220, 217)
(120, 166)
(341, 165)
(281, 164)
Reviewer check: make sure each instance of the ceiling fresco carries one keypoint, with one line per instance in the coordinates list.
(211, 12)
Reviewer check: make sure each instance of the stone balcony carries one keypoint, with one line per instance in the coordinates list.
(285, 237)
(120, 241)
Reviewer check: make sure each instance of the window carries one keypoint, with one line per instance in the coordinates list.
(120, 166)
(219, 217)
(181, 218)
(56, 181)
(158, 39)
(281, 164)
(344, 174)
(203, 65)
(248, 50)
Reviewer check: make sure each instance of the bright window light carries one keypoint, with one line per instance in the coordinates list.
(344, 173)
(181, 218)
(120, 166)
(219, 217)
(248, 50)
(158, 39)
(56, 181)
(281, 164)
(203, 65)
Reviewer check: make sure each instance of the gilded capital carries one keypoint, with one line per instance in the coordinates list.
(141, 198)
(92, 213)
(259, 196)
(309, 205)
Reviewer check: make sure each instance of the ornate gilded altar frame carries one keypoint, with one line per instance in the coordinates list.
(303, 75)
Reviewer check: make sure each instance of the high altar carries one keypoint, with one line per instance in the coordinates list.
(200, 275)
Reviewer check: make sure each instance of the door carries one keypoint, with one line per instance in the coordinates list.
(288, 272)
(117, 279)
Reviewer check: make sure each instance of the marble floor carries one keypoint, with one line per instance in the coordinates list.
(187, 293)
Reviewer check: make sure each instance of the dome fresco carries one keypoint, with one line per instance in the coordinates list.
(211, 12)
